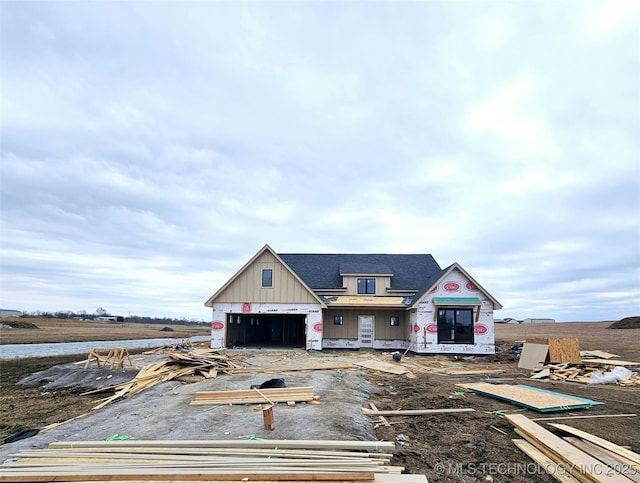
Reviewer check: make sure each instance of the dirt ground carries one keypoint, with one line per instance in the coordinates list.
(60, 330)
(462, 447)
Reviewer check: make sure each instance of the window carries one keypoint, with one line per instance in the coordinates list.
(367, 286)
(394, 320)
(337, 320)
(267, 277)
(455, 326)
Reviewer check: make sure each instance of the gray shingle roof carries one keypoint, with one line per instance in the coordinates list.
(322, 271)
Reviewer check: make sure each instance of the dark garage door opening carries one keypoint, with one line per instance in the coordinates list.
(285, 330)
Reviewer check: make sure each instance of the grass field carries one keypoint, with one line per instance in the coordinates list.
(60, 330)
(592, 336)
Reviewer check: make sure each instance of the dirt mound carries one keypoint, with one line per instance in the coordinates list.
(14, 324)
(627, 323)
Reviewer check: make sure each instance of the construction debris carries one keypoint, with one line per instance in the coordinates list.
(607, 462)
(182, 365)
(591, 372)
(536, 352)
(213, 460)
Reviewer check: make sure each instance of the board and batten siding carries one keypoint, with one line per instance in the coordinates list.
(350, 282)
(247, 286)
(349, 328)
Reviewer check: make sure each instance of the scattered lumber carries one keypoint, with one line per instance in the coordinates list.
(114, 356)
(414, 412)
(180, 364)
(605, 456)
(382, 421)
(635, 457)
(470, 372)
(582, 372)
(579, 464)
(216, 460)
(252, 396)
(382, 366)
(550, 466)
(531, 397)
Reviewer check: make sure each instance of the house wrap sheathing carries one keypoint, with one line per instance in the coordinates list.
(353, 301)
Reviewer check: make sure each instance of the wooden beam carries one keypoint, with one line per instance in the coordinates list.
(230, 443)
(579, 464)
(414, 412)
(635, 457)
(606, 458)
(586, 417)
(550, 466)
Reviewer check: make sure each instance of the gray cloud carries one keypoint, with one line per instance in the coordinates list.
(150, 149)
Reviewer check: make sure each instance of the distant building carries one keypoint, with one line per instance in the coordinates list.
(538, 321)
(109, 318)
(10, 313)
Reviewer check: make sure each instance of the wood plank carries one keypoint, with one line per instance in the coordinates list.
(415, 412)
(598, 354)
(256, 370)
(586, 417)
(530, 397)
(580, 464)
(230, 443)
(627, 453)
(616, 456)
(254, 396)
(612, 362)
(533, 356)
(549, 465)
(382, 366)
(148, 475)
(462, 372)
(546, 372)
(600, 454)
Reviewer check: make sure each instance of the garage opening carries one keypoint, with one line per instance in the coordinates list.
(266, 330)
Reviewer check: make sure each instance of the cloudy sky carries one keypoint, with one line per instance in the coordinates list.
(150, 149)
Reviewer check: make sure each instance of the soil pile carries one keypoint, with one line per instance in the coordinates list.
(627, 323)
(16, 324)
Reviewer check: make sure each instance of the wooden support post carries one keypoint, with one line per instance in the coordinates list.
(267, 415)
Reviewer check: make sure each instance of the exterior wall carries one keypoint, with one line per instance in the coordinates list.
(350, 282)
(345, 336)
(313, 313)
(425, 333)
(248, 285)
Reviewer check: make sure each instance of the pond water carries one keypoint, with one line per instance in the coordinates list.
(21, 351)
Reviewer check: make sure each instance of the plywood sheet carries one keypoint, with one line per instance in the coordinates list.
(533, 356)
(533, 398)
(382, 366)
(566, 349)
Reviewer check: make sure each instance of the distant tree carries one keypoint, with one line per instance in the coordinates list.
(101, 312)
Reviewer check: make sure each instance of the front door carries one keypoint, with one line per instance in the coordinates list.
(365, 330)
